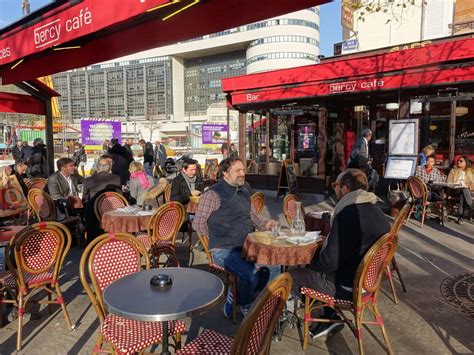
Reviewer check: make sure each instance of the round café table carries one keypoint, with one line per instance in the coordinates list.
(280, 252)
(125, 222)
(192, 292)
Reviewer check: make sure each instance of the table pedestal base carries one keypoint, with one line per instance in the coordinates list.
(287, 319)
(165, 344)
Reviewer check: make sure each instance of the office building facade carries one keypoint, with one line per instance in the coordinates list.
(181, 82)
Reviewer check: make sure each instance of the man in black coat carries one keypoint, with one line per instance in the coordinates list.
(122, 161)
(355, 226)
(102, 181)
(37, 161)
(16, 151)
(186, 182)
(128, 148)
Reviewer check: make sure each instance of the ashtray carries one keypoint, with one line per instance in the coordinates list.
(161, 280)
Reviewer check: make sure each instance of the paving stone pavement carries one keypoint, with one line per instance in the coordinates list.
(422, 323)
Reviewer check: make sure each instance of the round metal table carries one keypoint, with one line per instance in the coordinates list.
(192, 292)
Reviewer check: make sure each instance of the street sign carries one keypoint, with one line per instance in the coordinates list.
(349, 46)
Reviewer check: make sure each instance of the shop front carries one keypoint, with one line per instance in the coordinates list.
(312, 115)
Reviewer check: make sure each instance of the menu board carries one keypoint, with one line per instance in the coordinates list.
(403, 137)
(400, 167)
(287, 180)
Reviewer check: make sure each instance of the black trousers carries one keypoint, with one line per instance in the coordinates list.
(465, 199)
(305, 277)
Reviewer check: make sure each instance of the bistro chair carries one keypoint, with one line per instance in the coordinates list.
(167, 193)
(163, 229)
(230, 279)
(258, 201)
(254, 335)
(365, 291)
(39, 252)
(420, 193)
(36, 183)
(45, 210)
(393, 266)
(289, 208)
(106, 259)
(108, 201)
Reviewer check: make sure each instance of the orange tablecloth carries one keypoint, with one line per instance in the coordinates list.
(124, 222)
(279, 253)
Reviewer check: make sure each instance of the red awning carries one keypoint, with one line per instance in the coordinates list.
(76, 34)
(20, 103)
(443, 63)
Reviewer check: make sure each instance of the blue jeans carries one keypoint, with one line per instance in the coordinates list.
(148, 168)
(251, 278)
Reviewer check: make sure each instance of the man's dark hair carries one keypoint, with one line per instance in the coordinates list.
(63, 162)
(114, 141)
(106, 156)
(141, 141)
(187, 162)
(431, 156)
(354, 179)
(226, 164)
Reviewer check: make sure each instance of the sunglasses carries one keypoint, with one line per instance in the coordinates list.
(461, 161)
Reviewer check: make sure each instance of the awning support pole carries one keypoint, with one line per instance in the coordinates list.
(48, 120)
(267, 143)
(242, 134)
(452, 131)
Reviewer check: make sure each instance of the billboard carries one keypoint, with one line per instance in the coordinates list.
(95, 132)
(214, 133)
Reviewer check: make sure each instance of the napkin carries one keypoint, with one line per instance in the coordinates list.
(312, 235)
(318, 214)
(144, 213)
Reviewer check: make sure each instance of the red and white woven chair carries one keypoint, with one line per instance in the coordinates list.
(39, 252)
(289, 208)
(230, 280)
(258, 201)
(163, 229)
(106, 259)
(108, 201)
(420, 193)
(254, 335)
(365, 291)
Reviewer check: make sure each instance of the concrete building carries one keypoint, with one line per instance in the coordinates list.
(173, 87)
(416, 23)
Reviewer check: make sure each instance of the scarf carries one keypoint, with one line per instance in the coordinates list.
(190, 181)
(354, 198)
(142, 177)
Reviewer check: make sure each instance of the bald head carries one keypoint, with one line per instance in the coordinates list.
(353, 179)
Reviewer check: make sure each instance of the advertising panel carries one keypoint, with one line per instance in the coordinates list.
(214, 133)
(95, 132)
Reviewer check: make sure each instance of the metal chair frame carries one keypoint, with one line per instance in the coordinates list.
(165, 244)
(98, 211)
(167, 193)
(419, 191)
(258, 201)
(24, 289)
(88, 278)
(254, 335)
(364, 294)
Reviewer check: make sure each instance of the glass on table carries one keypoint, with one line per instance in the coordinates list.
(276, 229)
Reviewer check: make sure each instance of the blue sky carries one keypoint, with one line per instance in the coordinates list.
(330, 29)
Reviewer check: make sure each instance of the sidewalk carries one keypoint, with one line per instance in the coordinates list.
(422, 323)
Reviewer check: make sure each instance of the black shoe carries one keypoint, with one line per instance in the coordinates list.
(323, 329)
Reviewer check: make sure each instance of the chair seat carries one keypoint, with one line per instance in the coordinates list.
(130, 336)
(325, 298)
(30, 279)
(208, 343)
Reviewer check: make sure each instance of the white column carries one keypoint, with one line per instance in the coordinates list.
(177, 76)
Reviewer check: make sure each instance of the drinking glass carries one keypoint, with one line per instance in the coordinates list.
(276, 229)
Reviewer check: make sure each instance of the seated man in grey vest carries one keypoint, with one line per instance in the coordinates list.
(226, 216)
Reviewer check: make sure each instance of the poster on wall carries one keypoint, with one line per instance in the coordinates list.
(403, 137)
(95, 132)
(214, 133)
